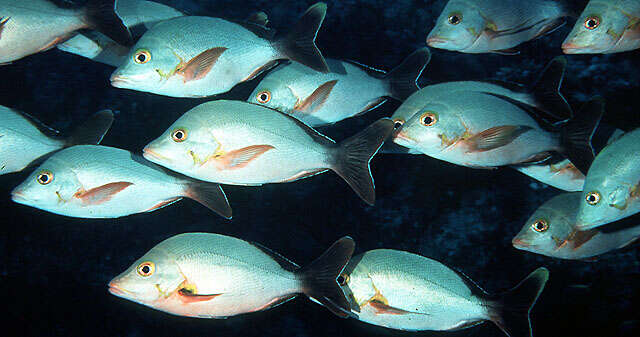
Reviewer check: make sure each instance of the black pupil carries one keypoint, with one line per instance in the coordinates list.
(454, 19)
(141, 57)
(428, 120)
(592, 23)
(398, 124)
(592, 198)
(540, 226)
(341, 280)
(146, 269)
(263, 97)
(44, 178)
(179, 135)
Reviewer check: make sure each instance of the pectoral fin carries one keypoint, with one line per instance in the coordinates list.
(495, 137)
(579, 238)
(383, 309)
(3, 21)
(316, 99)
(199, 66)
(101, 194)
(242, 157)
(188, 297)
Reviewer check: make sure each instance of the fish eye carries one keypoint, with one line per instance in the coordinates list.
(455, 18)
(428, 119)
(397, 123)
(593, 198)
(264, 97)
(592, 22)
(540, 225)
(343, 279)
(44, 177)
(142, 56)
(146, 269)
(179, 135)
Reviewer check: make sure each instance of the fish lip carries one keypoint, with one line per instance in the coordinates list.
(404, 139)
(153, 156)
(19, 197)
(519, 243)
(120, 80)
(435, 40)
(117, 291)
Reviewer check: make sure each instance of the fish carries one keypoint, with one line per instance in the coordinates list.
(492, 26)
(612, 187)
(209, 275)
(404, 291)
(551, 231)
(486, 130)
(348, 90)
(92, 181)
(605, 27)
(19, 38)
(24, 140)
(137, 15)
(239, 143)
(558, 172)
(197, 56)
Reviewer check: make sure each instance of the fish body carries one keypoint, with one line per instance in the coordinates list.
(23, 140)
(612, 186)
(605, 27)
(552, 231)
(561, 174)
(215, 276)
(485, 26)
(405, 291)
(137, 15)
(31, 26)
(195, 56)
(348, 90)
(240, 143)
(89, 181)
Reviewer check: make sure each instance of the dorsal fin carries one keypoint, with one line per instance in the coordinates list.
(46, 130)
(285, 263)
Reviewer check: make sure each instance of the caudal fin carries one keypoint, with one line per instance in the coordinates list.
(577, 134)
(319, 279)
(403, 79)
(92, 130)
(101, 15)
(300, 44)
(211, 196)
(510, 310)
(352, 157)
(546, 91)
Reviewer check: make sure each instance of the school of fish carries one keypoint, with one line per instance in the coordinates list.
(477, 124)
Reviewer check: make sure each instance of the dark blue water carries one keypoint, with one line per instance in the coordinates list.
(54, 270)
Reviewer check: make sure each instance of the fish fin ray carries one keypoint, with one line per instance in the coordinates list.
(285, 263)
(199, 66)
(211, 196)
(576, 135)
(316, 100)
(101, 15)
(403, 79)
(189, 297)
(495, 137)
(579, 238)
(383, 309)
(242, 157)
(546, 90)
(93, 130)
(101, 194)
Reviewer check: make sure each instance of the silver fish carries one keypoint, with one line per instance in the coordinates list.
(405, 291)
(239, 143)
(486, 130)
(31, 26)
(24, 140)
(484, 26)
(552, 231)
(605, 27)
(215, 276)
(348, 90)
(89, 181)
(196, 56)
(137, 15)
(612, 187)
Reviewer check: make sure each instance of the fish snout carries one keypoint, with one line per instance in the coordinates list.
(570, 48)
(150, 154)
(116, 290)
(519, 243)
(18, 196)
(436, 40)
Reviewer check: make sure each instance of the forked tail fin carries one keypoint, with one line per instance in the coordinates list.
(403, 79)
(577, 134)
(101, 15)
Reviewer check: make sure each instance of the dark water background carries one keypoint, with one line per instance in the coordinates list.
(54, 270)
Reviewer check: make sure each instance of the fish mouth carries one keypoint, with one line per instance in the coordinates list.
(19, 197)
(436, 40)
(117, 291)
(403, 140)
(153, 156)
(520, 243)
(572, 48)
(120, 81)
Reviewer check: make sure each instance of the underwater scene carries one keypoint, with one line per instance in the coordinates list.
(303, 168)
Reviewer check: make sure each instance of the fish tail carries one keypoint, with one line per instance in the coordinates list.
(300, 44)
(577, 133)
(546, 90)
(210, 195)
(352, 157)
(319, 279)
(101, 15)
(91, 131)
(510, 310)
(403, 79)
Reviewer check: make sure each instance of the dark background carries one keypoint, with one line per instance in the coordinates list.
(54, 270)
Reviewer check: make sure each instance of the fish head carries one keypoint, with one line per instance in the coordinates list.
(152, 278)
(272, 94)
(598, 30)
(432, 129)
(605, 200)
(50, 187)
(458, 27)
(184, 147)
(548, 229)
(148, 67)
